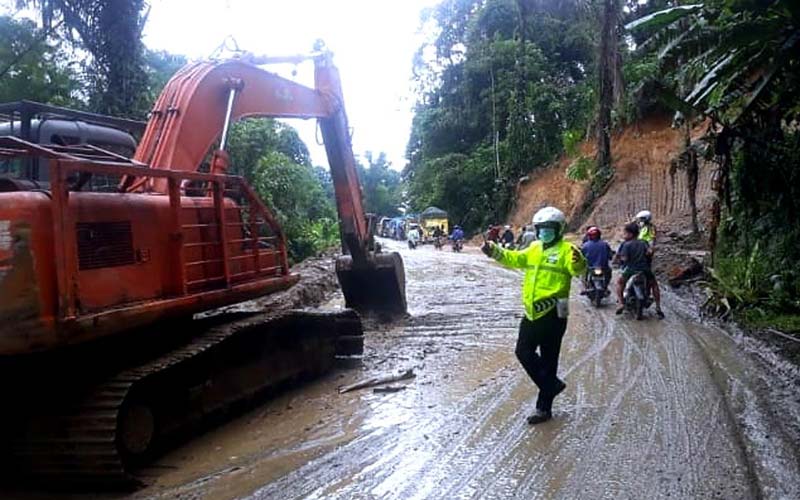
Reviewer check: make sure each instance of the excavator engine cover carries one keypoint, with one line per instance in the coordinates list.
(377, 286)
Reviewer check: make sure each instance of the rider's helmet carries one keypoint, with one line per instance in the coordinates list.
(550, 217)
(632, 228)
(593, 233)
(644, 216)
(457, 227)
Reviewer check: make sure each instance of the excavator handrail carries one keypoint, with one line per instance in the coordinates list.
(215, 190)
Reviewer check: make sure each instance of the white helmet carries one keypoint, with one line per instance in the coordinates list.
(644, 215)
(550, 215)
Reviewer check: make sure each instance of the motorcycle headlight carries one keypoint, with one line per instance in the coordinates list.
(598, 272)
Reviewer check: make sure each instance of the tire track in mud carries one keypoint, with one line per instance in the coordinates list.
(642, 416)
(378, 449)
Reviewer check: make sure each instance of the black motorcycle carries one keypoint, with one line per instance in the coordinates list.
(637, 295)
(596, 286)
(457, 245)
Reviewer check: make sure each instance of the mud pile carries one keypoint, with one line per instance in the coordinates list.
(317, 284)
(641, 155)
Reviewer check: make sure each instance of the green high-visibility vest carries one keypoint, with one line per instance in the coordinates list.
(647, 233)
(548, 273)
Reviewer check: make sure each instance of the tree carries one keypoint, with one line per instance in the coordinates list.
(31, 66)
(273, 158)
(504, 81)
(296, 196)
(380, 185)
(160, 66)
(736, 64)
(606, 72)
(111, 31)
(251, 139)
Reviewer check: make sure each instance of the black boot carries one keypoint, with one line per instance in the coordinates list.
(559, 388)
(539, 417)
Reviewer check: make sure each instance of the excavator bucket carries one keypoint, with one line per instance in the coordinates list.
(377, 286)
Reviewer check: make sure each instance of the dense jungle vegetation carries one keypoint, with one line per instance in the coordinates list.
(506, 85)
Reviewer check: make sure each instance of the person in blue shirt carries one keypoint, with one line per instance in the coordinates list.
(597, 252)
(458, 234)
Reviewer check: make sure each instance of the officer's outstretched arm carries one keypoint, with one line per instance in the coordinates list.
(515, 259)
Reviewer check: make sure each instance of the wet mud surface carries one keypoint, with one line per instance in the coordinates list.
(652, 409)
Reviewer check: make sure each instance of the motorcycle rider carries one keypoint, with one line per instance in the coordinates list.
(493, 233)
(457, 236)
(527, 237)
(438, 236)
(413, 236)
(549, 264)
(507, 240)
(634, 255)
(597, 252)
(647, 230)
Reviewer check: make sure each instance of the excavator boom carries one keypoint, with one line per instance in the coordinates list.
(195, 111)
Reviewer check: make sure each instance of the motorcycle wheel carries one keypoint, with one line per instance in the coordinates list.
(598, 298)
(639, 309)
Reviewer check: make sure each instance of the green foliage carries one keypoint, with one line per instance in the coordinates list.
(506, 80)
(736, 62)
(252, 139)
(111, 31)
(297, 198)
(31, 66)
(580, 169)
(571, 141)
(160, 66)
(380, 186)
(728, 59)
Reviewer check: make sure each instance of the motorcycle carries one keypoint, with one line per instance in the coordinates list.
(637, 295)
(412, 244)
(438, 242)
(596, 286)
(457, 245)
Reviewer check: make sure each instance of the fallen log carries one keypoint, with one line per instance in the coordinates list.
(378, 380)
(389, 389)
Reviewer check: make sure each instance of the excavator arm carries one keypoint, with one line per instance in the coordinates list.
(194, 112)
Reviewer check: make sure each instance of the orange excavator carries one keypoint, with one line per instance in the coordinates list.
(101, 363)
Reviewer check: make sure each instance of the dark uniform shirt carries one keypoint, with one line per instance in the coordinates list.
(634, 255)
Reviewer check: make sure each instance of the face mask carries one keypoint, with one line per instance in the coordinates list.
(547, 234)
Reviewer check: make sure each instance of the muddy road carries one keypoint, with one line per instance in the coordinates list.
(653, 409)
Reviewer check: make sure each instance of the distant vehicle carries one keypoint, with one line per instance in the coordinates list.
(430, 219)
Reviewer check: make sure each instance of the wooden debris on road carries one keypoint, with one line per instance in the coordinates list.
(387, 389)
(378, 380)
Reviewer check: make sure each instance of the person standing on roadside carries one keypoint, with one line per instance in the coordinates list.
(527, 237)
(549, 264)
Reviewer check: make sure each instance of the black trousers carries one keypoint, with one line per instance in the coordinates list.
(544, 334)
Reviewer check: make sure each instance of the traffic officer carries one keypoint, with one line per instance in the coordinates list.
(549, 264)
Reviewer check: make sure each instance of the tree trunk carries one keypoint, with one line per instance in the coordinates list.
(606, 72)
(692, 174)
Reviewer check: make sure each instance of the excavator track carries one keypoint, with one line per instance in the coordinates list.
(103, 434)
